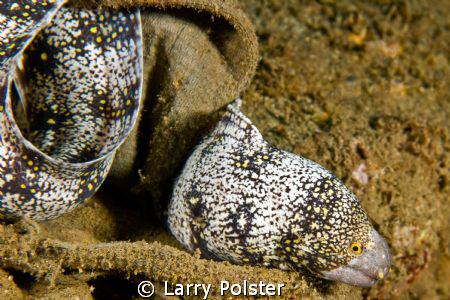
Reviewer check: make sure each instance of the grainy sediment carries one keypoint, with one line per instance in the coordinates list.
(362, 88)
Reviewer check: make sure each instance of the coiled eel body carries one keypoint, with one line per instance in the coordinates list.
(70, 88)
(242, 200)
(71, 78)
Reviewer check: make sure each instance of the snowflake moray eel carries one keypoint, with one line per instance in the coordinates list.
(240, 199)
(70, 90)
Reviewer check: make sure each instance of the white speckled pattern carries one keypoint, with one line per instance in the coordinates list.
(240, 199)
(78, 72)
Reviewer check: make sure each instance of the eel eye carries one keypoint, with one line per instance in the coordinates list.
(355, 248)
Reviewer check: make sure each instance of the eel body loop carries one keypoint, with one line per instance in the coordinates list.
(240, 199)
(70, 88)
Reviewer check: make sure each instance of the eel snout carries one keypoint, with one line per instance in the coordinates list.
(366, 269)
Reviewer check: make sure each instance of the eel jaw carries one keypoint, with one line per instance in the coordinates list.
(366, 269)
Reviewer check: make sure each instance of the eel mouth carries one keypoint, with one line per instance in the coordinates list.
(353, 276)
(366, 269)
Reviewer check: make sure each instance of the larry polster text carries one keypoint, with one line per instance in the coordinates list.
(226, 289)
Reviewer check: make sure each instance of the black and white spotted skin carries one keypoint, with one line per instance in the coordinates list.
(240, 199)
(78, 74)
(70, 88)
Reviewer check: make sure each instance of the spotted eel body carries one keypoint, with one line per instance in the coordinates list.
(240, 199)
(70, 86)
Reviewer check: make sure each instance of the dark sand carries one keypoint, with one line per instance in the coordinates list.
(363, 89)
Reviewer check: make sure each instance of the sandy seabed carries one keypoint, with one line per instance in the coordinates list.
(361, 88)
